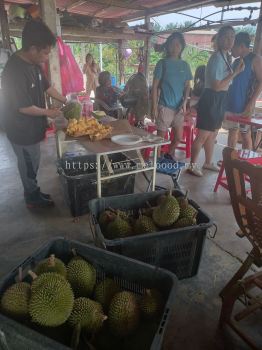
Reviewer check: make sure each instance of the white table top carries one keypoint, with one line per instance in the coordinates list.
(106, 146)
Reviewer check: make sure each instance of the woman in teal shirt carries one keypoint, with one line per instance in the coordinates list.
(172, 79)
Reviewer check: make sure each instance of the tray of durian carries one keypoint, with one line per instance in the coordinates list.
(82, 298)
(88, 127)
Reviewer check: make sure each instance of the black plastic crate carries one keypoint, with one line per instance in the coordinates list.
(78, 177)
(129, 274)
(178, 250)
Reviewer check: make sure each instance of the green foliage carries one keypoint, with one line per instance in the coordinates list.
(195, 57)
(251, 30)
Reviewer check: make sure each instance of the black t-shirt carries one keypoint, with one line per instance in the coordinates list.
(24, 85)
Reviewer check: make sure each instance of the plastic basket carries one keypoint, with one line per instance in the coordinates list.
(129, 274)
(178, 250)
(80, 184)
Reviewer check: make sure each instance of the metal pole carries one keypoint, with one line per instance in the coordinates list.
(4, 26)
(101, 56)
(258, 38)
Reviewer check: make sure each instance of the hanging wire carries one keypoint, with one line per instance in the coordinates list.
(206, 18)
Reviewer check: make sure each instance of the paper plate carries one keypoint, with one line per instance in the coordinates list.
(126, 140)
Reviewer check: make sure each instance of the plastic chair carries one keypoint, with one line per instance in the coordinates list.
(248, 214)
(250, 156)
(188, 138)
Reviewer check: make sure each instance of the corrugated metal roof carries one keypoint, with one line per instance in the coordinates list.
(129, 9)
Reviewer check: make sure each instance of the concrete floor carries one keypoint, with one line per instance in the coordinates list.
(195, 316)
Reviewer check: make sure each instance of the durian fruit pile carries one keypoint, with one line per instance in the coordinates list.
(90, 127)
(67, 303)
(170, 212)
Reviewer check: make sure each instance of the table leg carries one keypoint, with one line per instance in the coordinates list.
(98, 163)
(252, 130)
(154, 171)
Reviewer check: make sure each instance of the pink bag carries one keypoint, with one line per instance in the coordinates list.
(71, 75)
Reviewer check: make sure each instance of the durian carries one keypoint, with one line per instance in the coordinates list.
(15, 301)
(105, 218)
(104, 292)
(51, 300)
(82, 277)
(188, 212)
(88, 314)
(184, 222)
(151, 303)
(167, 212)
(118, 228)
(123, 314)
(144, 224)
(186, 209)
(51, 264)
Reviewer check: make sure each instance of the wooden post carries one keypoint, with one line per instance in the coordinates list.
(50, 17)
(121, 62)
(4, 26)
(258, 38)
(147, 49)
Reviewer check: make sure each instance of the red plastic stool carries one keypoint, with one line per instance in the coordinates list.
(188, 137)
(249, 156)
(151, 128)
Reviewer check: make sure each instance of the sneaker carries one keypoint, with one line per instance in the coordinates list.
(195, 170)
(211, 167)
(36, 200)
(45, 195)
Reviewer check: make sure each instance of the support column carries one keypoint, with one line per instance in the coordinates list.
(4, 26)
(50, 17)
(147, 44)
(121, 63)
(258, 38)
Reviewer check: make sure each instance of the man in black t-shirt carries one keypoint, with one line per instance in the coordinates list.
(25, 120)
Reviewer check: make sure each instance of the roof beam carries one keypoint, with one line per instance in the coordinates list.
(108, 3)
(86, 34)
(164, 9)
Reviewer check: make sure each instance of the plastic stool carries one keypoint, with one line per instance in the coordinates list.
(151, 128)
(188, 138)
(249, 156)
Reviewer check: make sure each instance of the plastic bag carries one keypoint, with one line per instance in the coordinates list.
(71, 75)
